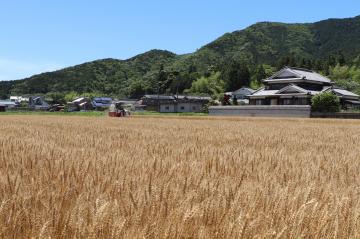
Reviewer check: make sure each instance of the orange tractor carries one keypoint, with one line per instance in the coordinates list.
(117, 109)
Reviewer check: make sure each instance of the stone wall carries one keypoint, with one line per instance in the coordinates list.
(298, 111)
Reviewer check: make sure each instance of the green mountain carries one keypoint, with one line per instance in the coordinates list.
(262, 43)
(266, 42)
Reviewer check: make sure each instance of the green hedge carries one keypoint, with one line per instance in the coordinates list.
(325, 102)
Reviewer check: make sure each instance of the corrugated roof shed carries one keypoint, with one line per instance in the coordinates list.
(7, 103)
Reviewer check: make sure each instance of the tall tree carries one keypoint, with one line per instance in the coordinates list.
(162, 80)
(260, 74)
(236, 75)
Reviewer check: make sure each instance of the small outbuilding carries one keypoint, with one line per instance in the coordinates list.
(242, 93)
(4, 104)
(102, 102)
(81, 103)
(38, 103)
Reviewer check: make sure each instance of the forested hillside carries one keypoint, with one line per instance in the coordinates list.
(236, 59)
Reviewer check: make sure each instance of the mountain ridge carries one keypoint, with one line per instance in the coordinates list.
(261, 43)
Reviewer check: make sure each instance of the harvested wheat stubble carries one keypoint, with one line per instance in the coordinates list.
(143, 177)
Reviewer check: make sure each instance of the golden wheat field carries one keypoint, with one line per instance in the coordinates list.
(186, 177)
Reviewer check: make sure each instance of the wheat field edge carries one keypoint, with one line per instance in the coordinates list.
(186, 177)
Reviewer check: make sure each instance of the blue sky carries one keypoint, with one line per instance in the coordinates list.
(45, 35)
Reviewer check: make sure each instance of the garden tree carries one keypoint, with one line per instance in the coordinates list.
(212, 85)
(325, 102)
(235, 75)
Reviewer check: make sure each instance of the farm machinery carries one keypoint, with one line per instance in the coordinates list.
(118, 109)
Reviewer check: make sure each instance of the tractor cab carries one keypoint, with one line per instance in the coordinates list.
(118, 109)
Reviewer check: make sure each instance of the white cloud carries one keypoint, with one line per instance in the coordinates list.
(14, 69)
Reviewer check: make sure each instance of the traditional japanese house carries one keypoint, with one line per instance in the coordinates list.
(296, 86)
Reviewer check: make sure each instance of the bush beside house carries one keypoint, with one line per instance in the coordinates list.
(325, 102)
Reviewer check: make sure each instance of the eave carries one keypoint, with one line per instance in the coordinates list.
(296, 80)
(300, 95)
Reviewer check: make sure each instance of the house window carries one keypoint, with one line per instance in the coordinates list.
(182, 107)
(167, 107)
(194, 108)
(302, 101)
(288, 102)
(259, 102)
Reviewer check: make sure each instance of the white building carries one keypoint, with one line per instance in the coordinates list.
(19, 99)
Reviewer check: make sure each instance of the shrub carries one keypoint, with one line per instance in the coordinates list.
(325, 102)
(235, 101)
